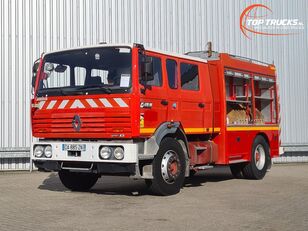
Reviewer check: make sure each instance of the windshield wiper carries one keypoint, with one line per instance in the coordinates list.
(50, 90)
(93, 88)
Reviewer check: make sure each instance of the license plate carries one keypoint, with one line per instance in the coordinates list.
(74, 147)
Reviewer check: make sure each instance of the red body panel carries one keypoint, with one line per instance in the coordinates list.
(236, 141)
(101, 117)
(182, 105)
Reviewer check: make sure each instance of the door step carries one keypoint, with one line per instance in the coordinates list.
(203, 167)
(201, 148)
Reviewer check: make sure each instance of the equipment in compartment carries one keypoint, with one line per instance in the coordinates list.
(237, 114)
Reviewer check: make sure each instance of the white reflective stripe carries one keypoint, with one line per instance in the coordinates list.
(41, 104)
(120, 102)
(91, 102)
(51, 104)
(77, 104)
(63, 104)
(105, 102)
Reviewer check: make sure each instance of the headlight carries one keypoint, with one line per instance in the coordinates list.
(48, 151)
(118, 153)
(38, 151)
(105, 153)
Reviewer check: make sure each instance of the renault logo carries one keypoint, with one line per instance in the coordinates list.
(76, 123)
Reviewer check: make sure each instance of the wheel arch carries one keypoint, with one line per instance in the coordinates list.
(174, 130)
(264, 136)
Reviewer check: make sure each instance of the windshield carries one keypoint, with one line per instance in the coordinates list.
(86, 71)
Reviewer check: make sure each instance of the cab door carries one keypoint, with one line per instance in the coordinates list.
(152, 111)
(193, 99)
(173, 100)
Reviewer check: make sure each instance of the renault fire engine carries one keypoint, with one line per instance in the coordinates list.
(126, 110)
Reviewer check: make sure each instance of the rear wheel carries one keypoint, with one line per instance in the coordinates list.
(260, 160)
(77, 181)
(168, 168)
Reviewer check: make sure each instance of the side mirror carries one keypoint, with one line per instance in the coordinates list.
(34, 72)
(147, 70)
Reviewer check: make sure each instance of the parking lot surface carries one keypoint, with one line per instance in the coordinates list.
(212, 200)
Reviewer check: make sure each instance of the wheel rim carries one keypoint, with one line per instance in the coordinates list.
(259, 157)
(170, 166)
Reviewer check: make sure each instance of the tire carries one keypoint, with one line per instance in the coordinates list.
(168, 168)
(77, 181)
(260, 160)
(236, 170)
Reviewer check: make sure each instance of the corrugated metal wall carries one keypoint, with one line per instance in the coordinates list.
(29, 27)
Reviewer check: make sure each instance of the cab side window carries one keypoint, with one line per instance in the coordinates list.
(157, 73)
(189, 77)
(171, 67)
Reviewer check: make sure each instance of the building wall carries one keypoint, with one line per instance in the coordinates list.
(30, 27)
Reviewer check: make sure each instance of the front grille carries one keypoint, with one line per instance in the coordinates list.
(98, 125)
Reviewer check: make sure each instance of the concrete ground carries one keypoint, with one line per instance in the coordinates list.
(212, 200)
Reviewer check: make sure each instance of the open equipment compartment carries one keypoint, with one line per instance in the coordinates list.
(238, 98)
(265, 100)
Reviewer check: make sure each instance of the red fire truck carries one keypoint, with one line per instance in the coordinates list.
(126, 110)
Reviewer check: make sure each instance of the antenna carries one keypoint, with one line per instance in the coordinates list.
(208, 49)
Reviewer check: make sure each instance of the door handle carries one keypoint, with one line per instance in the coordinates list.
(164, 102)
(201, 105)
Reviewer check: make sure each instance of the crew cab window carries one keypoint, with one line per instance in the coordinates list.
(157, 73)
(171, 67)
(189, 77)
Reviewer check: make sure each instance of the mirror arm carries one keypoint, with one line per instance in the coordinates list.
(145, 83)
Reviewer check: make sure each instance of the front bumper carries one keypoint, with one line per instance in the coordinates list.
(94, 167)
(91, 153)
(89, 159)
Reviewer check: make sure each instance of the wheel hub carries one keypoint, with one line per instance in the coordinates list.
(259, 157)
(170, 166)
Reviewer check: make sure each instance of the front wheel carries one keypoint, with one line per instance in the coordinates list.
(168, 168)
(77, 181)
(260, 160)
